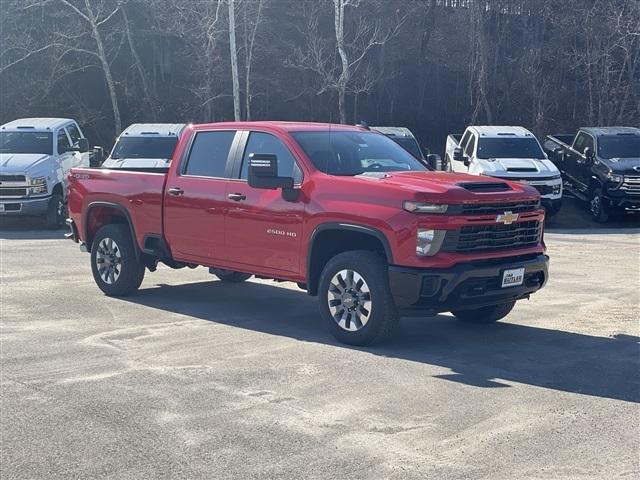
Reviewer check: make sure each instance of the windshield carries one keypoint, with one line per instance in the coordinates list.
(144, 147)
(619, 146)
(352, 153)
(26, 142)
(509, 148)
(410, 145)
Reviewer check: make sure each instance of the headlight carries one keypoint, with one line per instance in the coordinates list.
(423, 207)
(556, 189)
(613, 178)
(38, 185)
(428, 242)
(556, 177)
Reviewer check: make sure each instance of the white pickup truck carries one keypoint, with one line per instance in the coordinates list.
(145, 146)
(510, 153)
(36, 155)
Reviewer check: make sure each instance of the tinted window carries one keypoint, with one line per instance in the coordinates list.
(410, 145)
(74, 133)
(144, 147)
(619, 146)
(266, 143)
(353, 153)
(63, 140)
(26, 142)
(471, 147)
(582, 142)
(509, 148)
(209, 152)
(464, 140)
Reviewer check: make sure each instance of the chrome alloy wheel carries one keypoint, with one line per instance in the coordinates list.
(108, 260)
(349, 300)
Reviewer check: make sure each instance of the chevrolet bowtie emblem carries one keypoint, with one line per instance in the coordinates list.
(507, 218)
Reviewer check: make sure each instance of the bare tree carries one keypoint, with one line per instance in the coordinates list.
(237, 115)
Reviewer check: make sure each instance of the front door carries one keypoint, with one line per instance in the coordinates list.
(195, 198)
(263, 229)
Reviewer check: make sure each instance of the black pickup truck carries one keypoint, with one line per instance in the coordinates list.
(600, 166)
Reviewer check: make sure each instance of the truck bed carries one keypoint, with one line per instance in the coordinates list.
(137, 193)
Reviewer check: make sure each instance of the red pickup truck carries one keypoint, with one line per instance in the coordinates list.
(345, 212)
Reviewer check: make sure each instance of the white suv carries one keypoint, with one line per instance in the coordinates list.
(36, 155)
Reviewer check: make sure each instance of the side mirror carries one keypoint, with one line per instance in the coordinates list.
(263, 172)
(588, 154)
(96, 157)
(434, 161)
(458, 155)
(83, 145)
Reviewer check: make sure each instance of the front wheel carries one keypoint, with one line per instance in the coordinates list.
(355, 298)
(489, 314)
(116, 269)
(56, 212)
(599, 207)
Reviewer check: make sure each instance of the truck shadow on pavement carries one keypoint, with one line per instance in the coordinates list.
(478, 355)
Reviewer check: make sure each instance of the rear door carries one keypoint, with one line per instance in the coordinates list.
(263, 229)
(195, 197)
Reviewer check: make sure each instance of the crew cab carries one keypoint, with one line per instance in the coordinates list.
(600, 166)
(36, 156)
(345, 212)
(145, 146)
(509, 153)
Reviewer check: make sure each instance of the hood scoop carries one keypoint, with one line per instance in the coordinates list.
(374, 175)
(482, 187)
(521, 169)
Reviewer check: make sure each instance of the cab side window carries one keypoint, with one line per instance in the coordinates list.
(583, 141)
(63, 140)
(74, 133)
(209, 153)
(470, 147)
(260, 142)
(465, 139)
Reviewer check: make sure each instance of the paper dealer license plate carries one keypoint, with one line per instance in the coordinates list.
(513, 277)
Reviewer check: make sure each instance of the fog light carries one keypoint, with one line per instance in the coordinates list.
(428, 242)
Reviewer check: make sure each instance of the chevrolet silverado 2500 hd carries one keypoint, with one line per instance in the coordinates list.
(345, 212)
(509, 153)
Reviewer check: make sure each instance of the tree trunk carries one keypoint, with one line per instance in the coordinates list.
(344, 75)
(234, 62)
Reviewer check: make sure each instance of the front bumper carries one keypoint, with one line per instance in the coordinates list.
(551, 205)
(623, 201)
(468, 285)
(25, 206)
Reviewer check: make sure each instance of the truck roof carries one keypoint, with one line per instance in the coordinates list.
(600, 131)
(159, 129)
(43, 123)
(394, 131)
(501, 131)
(285, 126)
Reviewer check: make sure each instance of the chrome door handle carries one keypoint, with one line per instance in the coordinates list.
(175, 191)
(236, 197)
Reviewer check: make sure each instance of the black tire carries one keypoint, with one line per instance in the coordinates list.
(56, 212)
(489, 314)
(598, 206)
(381, 316)
(128, 271)
(230, 276)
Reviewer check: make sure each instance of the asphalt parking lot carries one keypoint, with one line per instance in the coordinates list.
(191, 378)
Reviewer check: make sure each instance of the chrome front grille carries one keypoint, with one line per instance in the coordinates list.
(631, 185)
(13, 191)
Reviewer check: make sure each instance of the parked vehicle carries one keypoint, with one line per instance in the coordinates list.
(600, 166)
(145, 145)
(36, 155)
(509, 153)
(346, 213)
(405, 138)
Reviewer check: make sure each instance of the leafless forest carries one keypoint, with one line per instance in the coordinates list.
(432, 65)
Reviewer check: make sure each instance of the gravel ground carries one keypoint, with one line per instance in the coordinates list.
(191, 378)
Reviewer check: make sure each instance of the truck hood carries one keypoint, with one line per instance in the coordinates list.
(450, 186)
(623, 166)
(21, 162)
(515, 167)
(136, 162)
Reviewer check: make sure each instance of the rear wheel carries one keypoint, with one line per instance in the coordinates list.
(116, 269)
(598, 206)
(230, 276)
(489, 314)
(355, 299)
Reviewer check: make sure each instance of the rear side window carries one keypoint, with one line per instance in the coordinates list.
(266, 143)
(74, 133)
(209, 154)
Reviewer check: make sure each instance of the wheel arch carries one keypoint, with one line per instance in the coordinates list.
(329, 239)
(99, 214)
